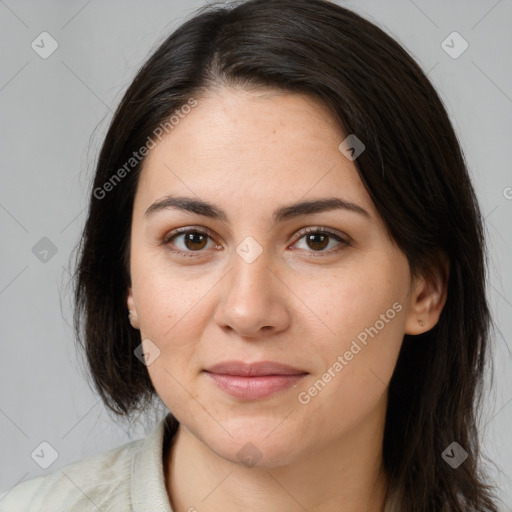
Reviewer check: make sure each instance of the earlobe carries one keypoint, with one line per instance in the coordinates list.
(428, 299)
(132, 310)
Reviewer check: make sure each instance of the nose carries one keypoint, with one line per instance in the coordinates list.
(254, 299)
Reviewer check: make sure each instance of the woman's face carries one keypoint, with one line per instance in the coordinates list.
(255, 288)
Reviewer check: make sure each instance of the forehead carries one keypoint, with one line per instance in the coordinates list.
(255, 148)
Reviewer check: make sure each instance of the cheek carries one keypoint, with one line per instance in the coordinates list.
(364, 318)
(174, 306)
(167, 307)
(167, 300)
(169, 317)
(357, 301)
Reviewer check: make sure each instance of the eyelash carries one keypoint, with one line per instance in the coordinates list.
(204, 231)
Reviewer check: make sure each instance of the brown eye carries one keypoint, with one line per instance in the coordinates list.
(317, 239)
(186, 241)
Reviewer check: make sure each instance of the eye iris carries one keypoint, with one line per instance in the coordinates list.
(191, 237)
(323, 243)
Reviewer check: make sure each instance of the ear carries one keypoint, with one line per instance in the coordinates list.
(133, 317)
(428, 297)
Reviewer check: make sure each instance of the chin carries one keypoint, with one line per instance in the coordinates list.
(252, 446)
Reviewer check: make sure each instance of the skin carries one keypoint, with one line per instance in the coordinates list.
(250, 152)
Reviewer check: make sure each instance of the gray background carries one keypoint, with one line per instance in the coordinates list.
(54, 113)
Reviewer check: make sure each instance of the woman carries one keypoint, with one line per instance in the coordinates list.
(282, 205)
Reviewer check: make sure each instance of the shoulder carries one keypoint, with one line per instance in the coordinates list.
(96, 482)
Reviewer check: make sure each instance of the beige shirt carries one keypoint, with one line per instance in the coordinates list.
(129, 478)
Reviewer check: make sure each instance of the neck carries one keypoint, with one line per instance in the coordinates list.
(343, 476)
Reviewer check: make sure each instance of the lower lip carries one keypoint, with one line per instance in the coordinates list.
(254, 388)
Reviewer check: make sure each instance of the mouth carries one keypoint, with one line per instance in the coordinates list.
(254, 381)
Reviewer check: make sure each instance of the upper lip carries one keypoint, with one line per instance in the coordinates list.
(254, 369)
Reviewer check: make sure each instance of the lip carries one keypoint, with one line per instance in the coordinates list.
(254, 369)
(254, 381)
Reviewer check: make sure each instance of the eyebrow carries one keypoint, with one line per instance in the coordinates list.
(283, 213)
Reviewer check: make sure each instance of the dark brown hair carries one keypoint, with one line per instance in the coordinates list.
(412, 167)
